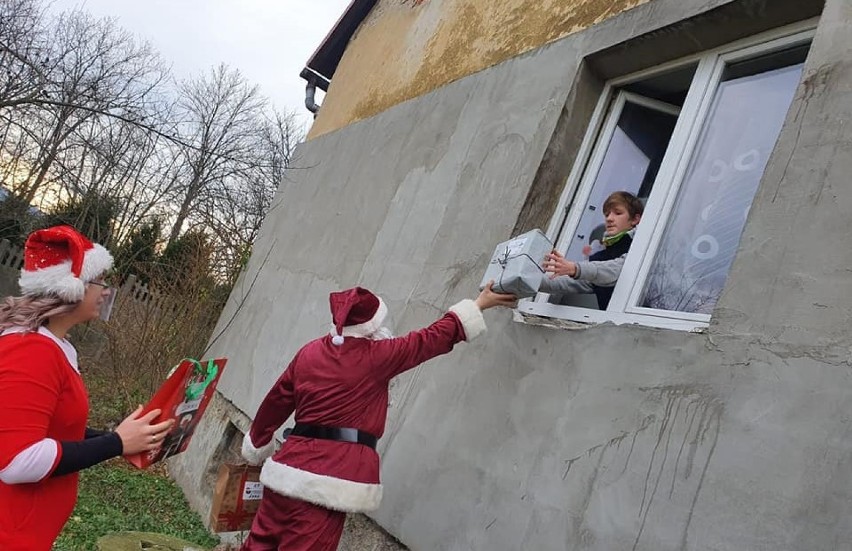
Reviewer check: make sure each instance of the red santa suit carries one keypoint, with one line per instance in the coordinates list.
(336, 384)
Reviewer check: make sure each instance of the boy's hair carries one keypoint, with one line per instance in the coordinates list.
(627, 200)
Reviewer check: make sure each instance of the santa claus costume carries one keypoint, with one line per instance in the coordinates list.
(338, 387)
(43, 402)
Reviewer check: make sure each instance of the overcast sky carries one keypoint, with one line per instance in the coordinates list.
(269, 41)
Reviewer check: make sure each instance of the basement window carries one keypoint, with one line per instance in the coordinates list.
(691, 139)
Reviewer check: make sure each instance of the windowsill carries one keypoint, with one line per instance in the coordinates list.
(573, 318)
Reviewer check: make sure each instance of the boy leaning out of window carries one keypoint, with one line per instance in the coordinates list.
(598, 275)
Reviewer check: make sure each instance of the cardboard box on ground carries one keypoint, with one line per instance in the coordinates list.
(236, 498)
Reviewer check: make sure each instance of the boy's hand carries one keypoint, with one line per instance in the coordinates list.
(556, 265)
(488, 298)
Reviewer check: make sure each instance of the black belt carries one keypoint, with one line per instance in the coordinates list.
(335, 433)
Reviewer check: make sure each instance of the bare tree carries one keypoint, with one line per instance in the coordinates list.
(234, 208)
(220, 113)
(24, 55)
(86, 112)
(99, 68)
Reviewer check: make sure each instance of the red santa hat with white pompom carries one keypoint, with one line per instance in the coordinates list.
(59, 261)
(355, 312)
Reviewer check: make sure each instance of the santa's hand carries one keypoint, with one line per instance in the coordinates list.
(489, 299)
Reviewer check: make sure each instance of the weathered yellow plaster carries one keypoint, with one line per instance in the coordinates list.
(403, 50)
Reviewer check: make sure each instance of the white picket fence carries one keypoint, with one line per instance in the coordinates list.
(11, 260)
(11, 257)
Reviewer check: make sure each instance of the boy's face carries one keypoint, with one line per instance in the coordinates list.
(618, 219)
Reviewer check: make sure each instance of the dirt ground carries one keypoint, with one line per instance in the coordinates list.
(359, 534)
(362, 534)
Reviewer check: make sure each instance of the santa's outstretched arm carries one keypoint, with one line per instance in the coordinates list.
(463, 322)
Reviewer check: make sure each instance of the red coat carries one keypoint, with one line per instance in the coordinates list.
(343, 386)
(41, 396)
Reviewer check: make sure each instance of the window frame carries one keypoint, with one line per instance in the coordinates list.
(623, 308)
(614, 109)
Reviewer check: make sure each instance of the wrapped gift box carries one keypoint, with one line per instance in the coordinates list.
(516, 265)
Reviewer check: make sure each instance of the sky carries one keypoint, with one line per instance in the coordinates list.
(269, 41)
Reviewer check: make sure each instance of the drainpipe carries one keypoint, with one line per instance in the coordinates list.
(310, 92)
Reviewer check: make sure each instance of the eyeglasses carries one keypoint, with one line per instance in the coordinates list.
(104, 284)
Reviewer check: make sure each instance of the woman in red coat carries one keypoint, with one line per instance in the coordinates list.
(44, 406)
(337, 386)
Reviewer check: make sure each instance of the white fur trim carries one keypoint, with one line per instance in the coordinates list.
(96, 261)
(471, 318)
(59, 280)
(56, 280)
(256, 456)
(368, 327)
(329, 492)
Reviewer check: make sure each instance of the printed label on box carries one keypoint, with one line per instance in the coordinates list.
(252, 491)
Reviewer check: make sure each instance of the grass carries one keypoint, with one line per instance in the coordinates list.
(115, 497)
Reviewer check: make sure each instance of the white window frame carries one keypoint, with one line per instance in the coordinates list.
(623, 306)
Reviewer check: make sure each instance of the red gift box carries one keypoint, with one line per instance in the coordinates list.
(183, 397)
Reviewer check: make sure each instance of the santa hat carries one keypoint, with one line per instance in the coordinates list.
(355, 312)
(59, 261)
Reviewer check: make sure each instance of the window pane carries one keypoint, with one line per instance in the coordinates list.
(704, 230)
(631, 162)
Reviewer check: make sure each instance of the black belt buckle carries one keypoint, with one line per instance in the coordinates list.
(347, 435)
(338, 434)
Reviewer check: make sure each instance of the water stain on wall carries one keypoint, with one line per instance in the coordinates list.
(667, 455)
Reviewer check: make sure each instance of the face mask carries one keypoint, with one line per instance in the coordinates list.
(106, 306)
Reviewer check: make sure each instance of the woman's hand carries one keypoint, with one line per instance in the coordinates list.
(488, 298)
(139, 435)
(556, 265)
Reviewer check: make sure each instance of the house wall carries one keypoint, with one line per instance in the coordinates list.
(404, 49)
(596, 439)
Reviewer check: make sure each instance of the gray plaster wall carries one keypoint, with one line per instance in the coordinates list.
(605, 438)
